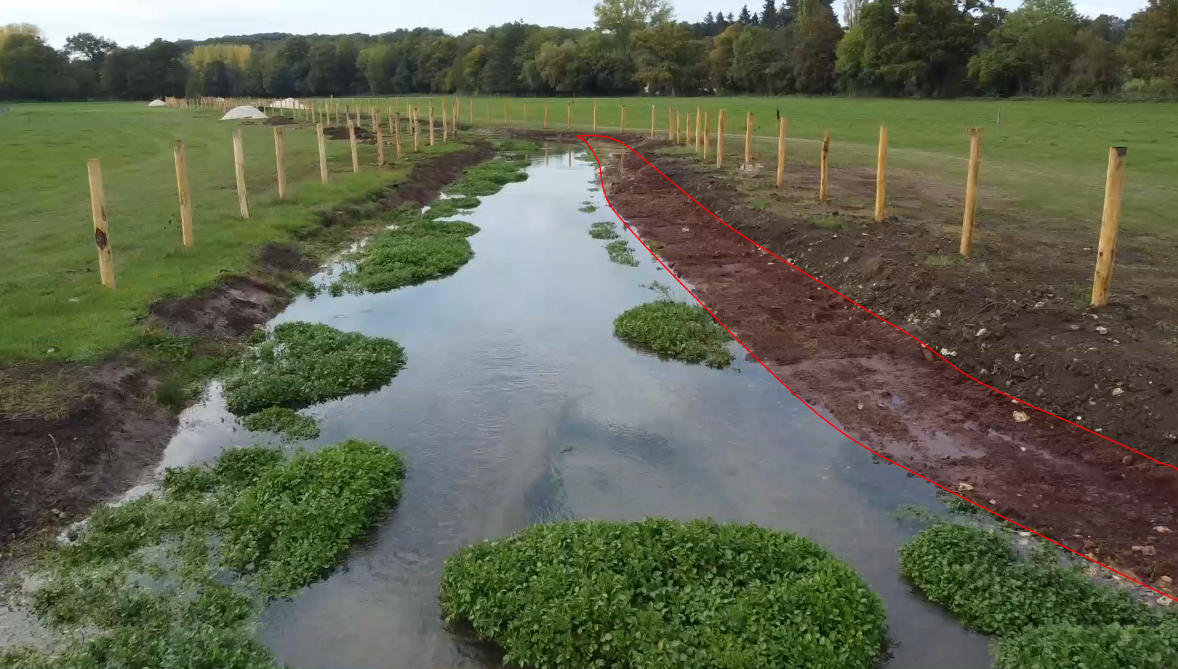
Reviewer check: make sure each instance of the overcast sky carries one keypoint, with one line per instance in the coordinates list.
(137, 22)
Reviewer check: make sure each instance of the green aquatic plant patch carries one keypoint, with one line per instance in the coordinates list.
(661, 594)
(488, 178)
(1047, 614)
(300, 364)
(621, 253)
(588, 209)
(291, 425)
(412, 252)
(675, 330)
(603, 230)
(450, 206)
(178, 577)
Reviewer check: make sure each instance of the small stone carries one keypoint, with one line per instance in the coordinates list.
(993, 502)
(1039, 305)
(1127, 460)
(860, 405)
(1024, 534)
(1018, 357)
(846, 258)
(1166, 582)
(1101, 329)
(981, 333)
(1165, 601)
(1117, 392)
(962, 486)
(1074, 327)
(1161, 529)
(1020, 417)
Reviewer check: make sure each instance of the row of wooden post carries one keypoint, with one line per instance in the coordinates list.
(678, 131)
(98, 196)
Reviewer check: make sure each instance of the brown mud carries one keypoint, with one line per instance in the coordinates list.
(113, 432)
(1009, 326)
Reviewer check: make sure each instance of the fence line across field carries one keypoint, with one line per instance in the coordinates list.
(678, 132)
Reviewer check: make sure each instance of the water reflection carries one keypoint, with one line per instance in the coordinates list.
(517, 405)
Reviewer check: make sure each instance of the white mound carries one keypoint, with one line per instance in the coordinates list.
(244, 111)
(289, 103)
(157, 103)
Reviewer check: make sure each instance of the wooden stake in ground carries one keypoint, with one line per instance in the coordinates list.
(568, 115)
(506, 114)
(445, 124)
(106, 263)
(280, 162)
(397, 133)
(707, 117)
(322, 152)
(881, 176)
(653, 113)
(182, 189)
(431, 125)
(971, 191)
(623, 121)
(545, 117)
(781, 153)
(594, 115)
(670, 124)
(416, 134)
(471, 110)
(823, 180)
(379, 138)
(454, 120)
(1106, 252)
(239, 169)
(720, 140)
(355, 148)
(748, 139)
(697, 126)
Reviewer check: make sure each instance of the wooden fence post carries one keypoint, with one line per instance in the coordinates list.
(106, 263)
(697, 126)
(239, 170)
(823, 180)
(322, 152)
(525, 113)
(881, 176)
(182, 189)
(594, 114)
(379, 139)
(397, 133)
(280, 162)
(653, 111)
(971, 191)
(471, 111)
(431, 125)
(707, 118)
(545, 117)
(416, 132)
(1106, 252)
(670, 124)
(445, 124)
(355, 148)
(506, 114)
(623, 121)
(781, 153)
(748, 139)
(720, 140)
(568, 115)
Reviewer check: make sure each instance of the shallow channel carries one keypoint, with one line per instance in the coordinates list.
(518, 406)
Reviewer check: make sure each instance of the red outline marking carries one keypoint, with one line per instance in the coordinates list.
(601, 178)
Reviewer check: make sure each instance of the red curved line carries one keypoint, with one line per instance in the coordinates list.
(601, 178)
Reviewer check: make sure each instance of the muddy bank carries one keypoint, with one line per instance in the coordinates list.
(112, 430)
(896, 397)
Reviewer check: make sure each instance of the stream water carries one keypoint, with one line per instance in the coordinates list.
(518, 406)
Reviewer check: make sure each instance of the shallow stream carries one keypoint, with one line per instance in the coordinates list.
(518, 406)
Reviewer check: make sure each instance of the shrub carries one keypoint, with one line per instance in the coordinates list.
(661, 593)
(675, 330)
(300, 364)
(1092, 647)
(976, 575)
(603, 230)
(280, 420)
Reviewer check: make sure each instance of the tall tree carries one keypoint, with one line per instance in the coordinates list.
(667, 59)
(745, 17)
(623, 18)
(769, 14)
(851, 11)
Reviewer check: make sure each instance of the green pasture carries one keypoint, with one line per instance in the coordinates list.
(52, 305)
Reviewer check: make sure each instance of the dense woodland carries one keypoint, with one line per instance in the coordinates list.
(921, 48)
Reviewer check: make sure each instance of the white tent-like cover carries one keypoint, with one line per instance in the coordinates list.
(288, 103)
(244, 111)
(157, 103)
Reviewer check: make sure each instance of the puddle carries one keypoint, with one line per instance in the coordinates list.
(517, 406)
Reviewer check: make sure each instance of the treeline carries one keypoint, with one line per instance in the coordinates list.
(927, 48)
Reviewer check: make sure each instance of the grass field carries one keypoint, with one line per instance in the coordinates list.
(52, 305)
(1046, 160)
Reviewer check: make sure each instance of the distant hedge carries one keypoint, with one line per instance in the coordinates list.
(664, 594)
